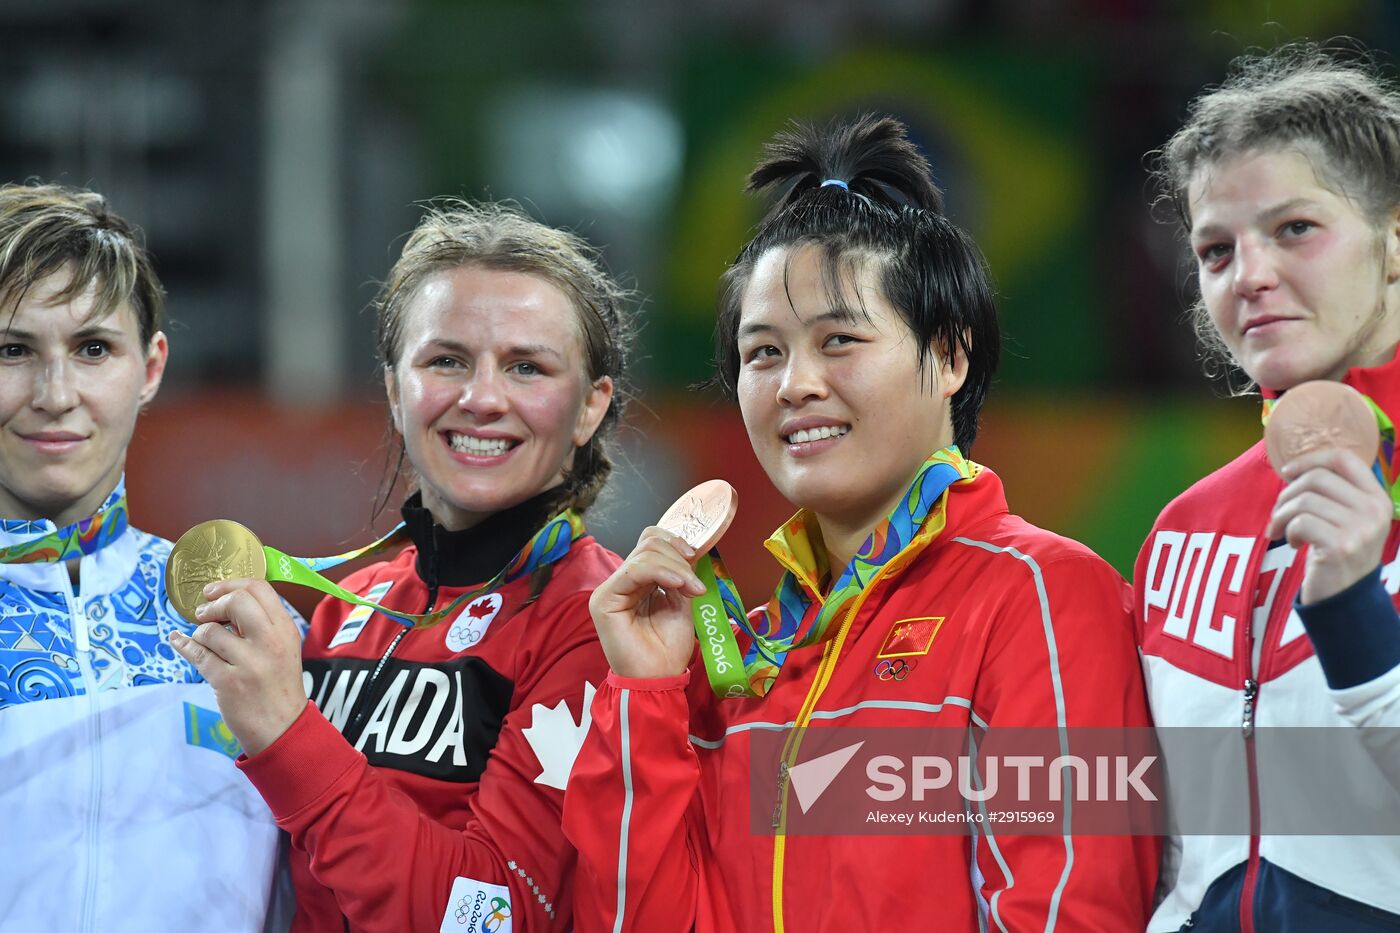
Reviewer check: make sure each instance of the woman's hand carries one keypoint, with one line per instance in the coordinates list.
(1333, 504)
(254, 666)
(642, 611)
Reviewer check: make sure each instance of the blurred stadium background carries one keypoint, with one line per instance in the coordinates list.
(273, 151)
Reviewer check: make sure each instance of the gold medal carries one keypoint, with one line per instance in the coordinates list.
(207, 553)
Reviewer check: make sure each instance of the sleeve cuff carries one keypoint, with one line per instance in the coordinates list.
(303, 764)
(1355, 633)
(649, 684)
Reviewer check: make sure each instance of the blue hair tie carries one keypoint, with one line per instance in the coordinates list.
(837, 182)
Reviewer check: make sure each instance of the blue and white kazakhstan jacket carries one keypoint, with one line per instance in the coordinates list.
(120, 806)
(1285, 691)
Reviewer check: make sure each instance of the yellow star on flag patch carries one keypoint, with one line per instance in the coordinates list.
(910, 636)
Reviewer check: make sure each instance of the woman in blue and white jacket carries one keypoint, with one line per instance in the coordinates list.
(1265, 603)
(120, 804)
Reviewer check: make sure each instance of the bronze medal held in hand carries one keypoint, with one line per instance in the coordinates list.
(1319, 415)
(702, 516)
(209, 552)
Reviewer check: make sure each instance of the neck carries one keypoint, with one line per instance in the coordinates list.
(1378, 341)
(453, 518)
(842, 541)
(61, 515)
(843, 534)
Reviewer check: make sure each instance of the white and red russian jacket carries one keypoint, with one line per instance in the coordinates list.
(1226, 645)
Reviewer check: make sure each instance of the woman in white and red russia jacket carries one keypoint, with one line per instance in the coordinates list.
(1263, 601)
(859, 333)
(423, 785)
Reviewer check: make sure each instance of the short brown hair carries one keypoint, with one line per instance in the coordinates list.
(1340, 113)
(455, 233)
(45, 228)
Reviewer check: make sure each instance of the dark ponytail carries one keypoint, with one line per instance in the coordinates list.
(871, 156)
(859, 188)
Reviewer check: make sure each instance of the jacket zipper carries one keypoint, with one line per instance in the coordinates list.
(1251, 872)
(82, 644)
(363, 706)
(1247, 720)
(794, 743)
(804, 716)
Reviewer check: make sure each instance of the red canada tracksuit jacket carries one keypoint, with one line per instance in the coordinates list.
(470, 726)
(1036, 631)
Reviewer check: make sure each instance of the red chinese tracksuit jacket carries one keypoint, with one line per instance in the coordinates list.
(1036, 631)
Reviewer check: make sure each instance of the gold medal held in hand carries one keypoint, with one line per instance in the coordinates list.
(207, 553)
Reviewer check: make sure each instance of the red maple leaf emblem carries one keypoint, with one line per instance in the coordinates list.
(479, 609)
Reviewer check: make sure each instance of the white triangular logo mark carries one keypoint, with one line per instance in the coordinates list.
(811, 778)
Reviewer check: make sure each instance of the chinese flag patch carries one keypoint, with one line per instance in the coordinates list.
(910, 636)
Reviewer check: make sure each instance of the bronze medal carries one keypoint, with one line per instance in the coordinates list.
(702, 516)
(1319, 415)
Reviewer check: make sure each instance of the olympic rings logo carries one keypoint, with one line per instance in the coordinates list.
(893, 669)
(285, 565)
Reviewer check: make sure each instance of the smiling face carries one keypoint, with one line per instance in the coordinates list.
(829, 385)
(490, 391)
(70, 391)
(1298, 282)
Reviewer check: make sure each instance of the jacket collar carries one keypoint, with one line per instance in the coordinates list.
(478, 553)
(100, 573)
(797, 544)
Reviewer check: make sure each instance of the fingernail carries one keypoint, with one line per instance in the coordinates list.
(209, 588)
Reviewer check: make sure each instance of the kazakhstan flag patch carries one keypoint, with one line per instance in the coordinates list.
(207, 729)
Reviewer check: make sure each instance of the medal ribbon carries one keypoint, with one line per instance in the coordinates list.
(546, 546)
(1386, 468)
(79, 539)
(779, 629)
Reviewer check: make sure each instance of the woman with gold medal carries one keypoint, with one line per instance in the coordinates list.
(858, 331)
(423, 783)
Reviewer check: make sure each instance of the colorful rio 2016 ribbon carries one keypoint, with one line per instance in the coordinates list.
(79, 539)
(732, 673)
(1385, 467)
(546, 546)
